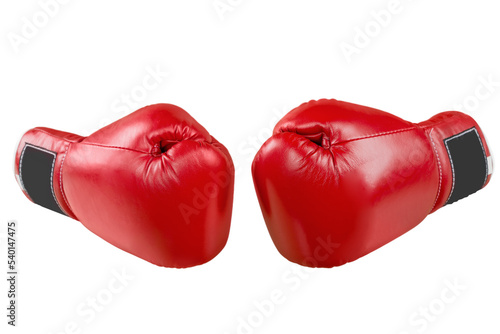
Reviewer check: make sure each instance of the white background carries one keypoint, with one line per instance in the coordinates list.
(237, 72)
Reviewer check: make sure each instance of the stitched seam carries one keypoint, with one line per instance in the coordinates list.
(90, 144)
(54, 136)
(20, 169)
(484, 155)
(114, 147)
(60, 179)
(52, 183)
(376, 135)
(439, 168)
(144, 152)
(452, 169)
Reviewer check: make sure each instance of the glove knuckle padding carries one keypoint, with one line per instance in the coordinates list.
(356, 176)
(155, 184)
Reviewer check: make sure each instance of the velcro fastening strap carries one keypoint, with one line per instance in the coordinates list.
(36, 172)
(469, 164)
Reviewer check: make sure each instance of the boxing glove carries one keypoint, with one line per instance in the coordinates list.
(155, 183)
(338, 180)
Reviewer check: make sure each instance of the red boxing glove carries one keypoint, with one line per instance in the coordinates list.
(338, 180)
(154, 183)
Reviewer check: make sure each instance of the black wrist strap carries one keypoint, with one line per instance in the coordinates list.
(36, 172)
(469, 164)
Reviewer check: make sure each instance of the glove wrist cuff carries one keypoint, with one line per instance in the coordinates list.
(39, 164)
(462, 155)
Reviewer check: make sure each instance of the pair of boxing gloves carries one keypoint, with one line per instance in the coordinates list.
(335, 181)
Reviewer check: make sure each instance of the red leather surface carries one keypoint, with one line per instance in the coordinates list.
(154, 183)
(338, 180)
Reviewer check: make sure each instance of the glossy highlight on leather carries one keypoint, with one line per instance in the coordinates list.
(338, 180)
(154, 183)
